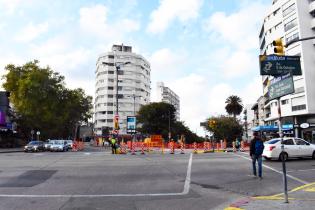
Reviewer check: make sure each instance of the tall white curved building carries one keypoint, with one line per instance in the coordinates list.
(133, 87)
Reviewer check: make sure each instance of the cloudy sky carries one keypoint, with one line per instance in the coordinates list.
(205, 50)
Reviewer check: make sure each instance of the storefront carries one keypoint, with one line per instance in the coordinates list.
(272, 131)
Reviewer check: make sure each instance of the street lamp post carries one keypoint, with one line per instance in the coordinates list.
(117, 66)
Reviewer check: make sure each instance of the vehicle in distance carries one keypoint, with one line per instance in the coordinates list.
(69, 143)
(48, 144)
(293, 148)
(34, 146)
(59, 145)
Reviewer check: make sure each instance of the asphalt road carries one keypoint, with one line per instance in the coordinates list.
(99, 180)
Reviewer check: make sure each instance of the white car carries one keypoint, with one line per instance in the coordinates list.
(59, 145)
(293, 148)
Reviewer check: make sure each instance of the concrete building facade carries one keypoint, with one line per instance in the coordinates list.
(165, 94)
(132, 86)
(291, 20)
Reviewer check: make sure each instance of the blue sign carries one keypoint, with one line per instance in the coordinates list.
(276, 65)
(131, 124)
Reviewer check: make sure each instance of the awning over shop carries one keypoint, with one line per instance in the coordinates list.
(272, 128)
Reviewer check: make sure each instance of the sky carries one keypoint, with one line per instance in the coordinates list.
(204, 50)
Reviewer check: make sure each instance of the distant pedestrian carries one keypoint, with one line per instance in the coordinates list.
(237, 144)
(256, 150)
(113, 144)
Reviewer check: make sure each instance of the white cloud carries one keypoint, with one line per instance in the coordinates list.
(240, 29)
(170, 10)
(251, 92)
(167, 62)
(94, 21)
(238, 33)
(31, 32)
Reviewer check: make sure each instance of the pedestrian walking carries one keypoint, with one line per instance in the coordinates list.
(256, 150)
(113, 144)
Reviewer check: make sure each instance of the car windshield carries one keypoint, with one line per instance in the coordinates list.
(58, 142)
(33, 143)
(272, 141)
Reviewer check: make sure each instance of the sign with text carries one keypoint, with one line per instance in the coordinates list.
(281, 86)
(277, 65)
(131, 124)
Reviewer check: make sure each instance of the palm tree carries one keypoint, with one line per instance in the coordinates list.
(234, 105)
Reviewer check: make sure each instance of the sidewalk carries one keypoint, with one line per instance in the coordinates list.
(302, 197)
(10, 150)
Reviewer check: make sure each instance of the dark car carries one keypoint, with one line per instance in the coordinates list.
(34, 146)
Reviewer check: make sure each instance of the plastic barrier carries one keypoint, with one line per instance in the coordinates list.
(142, 148)
(195, 147)
(182, 148)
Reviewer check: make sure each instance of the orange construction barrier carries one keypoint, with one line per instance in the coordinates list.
(172, 147)
(195, 147)
(182, 148)
(142, 148)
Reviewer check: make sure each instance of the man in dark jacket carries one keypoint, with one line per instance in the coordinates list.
(256, 150)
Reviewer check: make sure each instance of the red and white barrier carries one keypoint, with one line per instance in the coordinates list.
(195, 147)
(142, 148)
(182, 148)
(172, 148)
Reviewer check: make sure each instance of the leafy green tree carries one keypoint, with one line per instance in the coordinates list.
(224, 127)
(234, 105)
(42, 102)
(154, 118)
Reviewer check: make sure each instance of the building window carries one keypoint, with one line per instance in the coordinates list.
(110, 88)
(284, 102)
(290, 25)
(299, 107)
(110, 56)
(109, 120)
(110, 80)
(110, 96)
(110, 104)
(288, 10)
(111, 72)
(110, 112)
(293, 37)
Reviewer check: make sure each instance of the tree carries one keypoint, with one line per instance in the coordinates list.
(224, 127)
(155, 118)
(234, 105)
(42, 102)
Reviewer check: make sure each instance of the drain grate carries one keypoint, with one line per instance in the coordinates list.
(29, 178)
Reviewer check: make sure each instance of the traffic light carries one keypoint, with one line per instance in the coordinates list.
(212, 123)
(116, 123)
(278, 47)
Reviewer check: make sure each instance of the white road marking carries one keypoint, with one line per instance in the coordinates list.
(313, 169)
(87, 153)
(280, 172)
(185, 191)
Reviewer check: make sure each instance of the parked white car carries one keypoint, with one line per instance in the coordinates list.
(59, 145)
(293, 148)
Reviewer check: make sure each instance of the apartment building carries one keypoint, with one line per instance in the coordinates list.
(165, 94)
(291, 20)
(122, 76)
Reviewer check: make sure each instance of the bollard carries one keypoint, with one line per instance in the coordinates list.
(172, 148)
(182, 148)
(195, 147)
(205, 147)
(242, 146)
(142, 148)
(133, 148)
(123, 148)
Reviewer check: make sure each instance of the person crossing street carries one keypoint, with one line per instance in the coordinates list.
(256, 150)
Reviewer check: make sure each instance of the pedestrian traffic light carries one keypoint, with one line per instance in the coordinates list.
(278, 47)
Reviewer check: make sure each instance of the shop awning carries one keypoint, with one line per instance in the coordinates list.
(272, 128)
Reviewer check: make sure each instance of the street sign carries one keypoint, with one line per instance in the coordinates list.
(277, 65)
(281, 86)
(131, 124)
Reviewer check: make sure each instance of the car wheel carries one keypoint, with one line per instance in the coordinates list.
(313, 156)
(283, 156)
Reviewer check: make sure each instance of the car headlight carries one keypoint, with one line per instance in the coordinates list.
(35, 147)
(25, 147)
